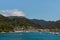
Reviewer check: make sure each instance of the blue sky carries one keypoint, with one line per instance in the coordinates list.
(34, 9)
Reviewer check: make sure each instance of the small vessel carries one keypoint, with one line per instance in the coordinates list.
(56, 33)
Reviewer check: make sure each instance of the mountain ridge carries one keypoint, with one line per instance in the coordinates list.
(7, 23)
(18, 23)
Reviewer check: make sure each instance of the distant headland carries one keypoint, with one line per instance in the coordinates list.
(23, 24)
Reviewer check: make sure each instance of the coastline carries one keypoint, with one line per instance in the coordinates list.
(31, 31)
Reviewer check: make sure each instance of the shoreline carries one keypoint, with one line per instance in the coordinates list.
(29, 31)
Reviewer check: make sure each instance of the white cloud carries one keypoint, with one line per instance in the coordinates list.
(15, 12)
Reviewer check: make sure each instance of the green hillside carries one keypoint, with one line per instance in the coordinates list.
(11, 23)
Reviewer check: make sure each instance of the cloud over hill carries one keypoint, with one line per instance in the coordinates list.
(14, 12)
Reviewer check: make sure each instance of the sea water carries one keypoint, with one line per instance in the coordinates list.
(29, 36)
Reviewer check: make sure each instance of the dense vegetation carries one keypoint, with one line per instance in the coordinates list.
(53, 26)
(12, 23)
(48, 24)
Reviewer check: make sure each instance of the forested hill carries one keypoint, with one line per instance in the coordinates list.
(18, 23)
(54, 25)
(13, 23)
(48, 24)
(43, 23)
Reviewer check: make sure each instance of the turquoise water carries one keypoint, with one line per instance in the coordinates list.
(29, 36)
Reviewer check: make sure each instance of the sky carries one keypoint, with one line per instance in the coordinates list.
(33, 9)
